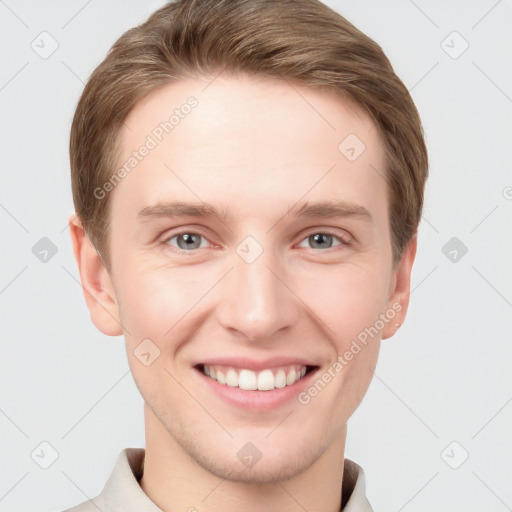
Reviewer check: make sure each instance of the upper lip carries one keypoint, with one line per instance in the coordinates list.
(254, 364)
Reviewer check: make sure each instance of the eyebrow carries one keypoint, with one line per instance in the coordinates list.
(329, 209)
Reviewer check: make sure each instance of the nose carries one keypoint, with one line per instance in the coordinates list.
(257, 301)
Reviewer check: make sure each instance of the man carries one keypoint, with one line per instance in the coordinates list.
(248, 180)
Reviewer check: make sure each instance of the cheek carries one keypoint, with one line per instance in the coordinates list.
(357, 299)
(350, 305)
(155, 305)
(347, 298)
(155, 301)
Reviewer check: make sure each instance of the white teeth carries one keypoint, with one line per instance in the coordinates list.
(232, 378)
(266, 380)
(221, 377)
(280, 381)
(290, 378)
(247, 380)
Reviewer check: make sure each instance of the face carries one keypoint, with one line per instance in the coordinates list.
(251, 250)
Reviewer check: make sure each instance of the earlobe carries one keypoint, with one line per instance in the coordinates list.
(401, 289)
(96, 282)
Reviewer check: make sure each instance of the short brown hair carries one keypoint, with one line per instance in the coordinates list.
(302, 41)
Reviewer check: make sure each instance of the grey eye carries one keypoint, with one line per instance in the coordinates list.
(186, 241)
(322, 240)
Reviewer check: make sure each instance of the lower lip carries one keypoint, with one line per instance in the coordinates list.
(257, 400)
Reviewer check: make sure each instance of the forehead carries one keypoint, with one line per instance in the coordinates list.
(250, 143)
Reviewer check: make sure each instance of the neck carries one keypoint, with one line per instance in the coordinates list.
(174, 481)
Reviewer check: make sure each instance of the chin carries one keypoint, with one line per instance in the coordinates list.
(264, 471)
(271, 464)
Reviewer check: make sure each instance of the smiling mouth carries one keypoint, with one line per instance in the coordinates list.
(249, 380)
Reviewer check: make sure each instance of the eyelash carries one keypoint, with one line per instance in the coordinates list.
(343, 242)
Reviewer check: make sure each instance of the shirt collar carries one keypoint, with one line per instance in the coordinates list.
(122, 490)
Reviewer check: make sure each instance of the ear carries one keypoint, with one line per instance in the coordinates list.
(96, 282)
(400, 289)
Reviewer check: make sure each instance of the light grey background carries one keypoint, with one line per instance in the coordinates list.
(444, 377)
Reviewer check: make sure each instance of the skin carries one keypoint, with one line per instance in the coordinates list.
(254, 147)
